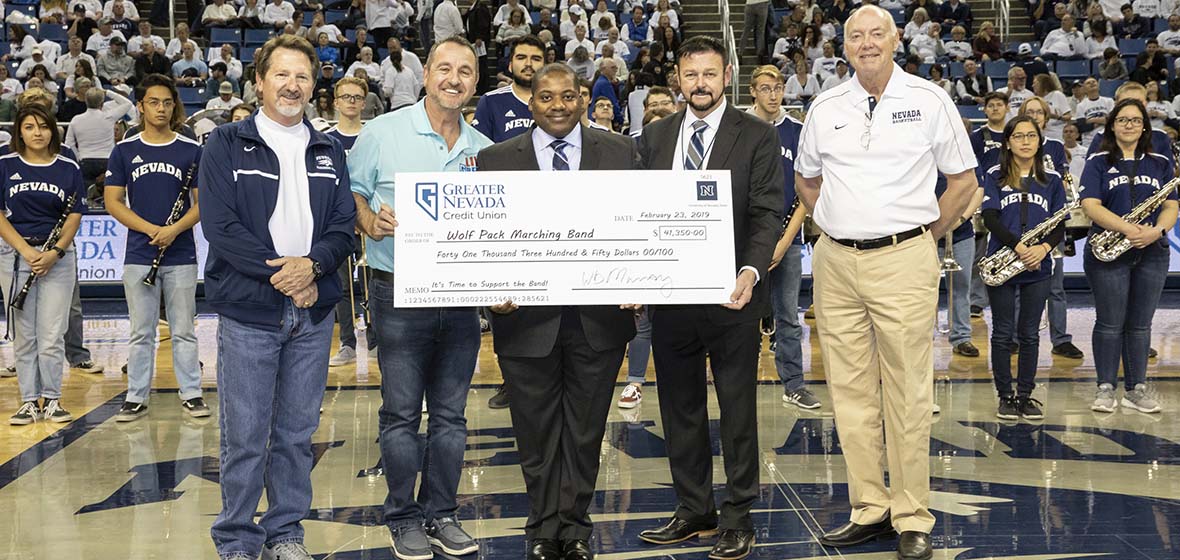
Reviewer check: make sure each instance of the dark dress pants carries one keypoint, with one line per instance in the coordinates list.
(681, 339)
(559, 404)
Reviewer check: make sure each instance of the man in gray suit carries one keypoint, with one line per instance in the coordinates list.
(560, 363)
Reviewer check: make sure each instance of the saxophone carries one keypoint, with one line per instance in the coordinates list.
(1001, 266)
(1107, 245)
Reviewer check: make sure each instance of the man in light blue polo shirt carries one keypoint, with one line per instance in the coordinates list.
(429, 351)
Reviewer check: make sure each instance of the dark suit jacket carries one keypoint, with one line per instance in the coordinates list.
(531, 332)
(748, 147)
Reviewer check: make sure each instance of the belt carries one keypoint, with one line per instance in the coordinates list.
(381, 275)
(887, 241)
(36, 241)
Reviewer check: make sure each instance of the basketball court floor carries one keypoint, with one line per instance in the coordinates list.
(1078, 484)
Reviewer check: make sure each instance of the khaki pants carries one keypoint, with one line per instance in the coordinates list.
(875, 311)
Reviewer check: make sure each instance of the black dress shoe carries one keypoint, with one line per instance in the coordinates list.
(678, 530)
(852, 534)
(1068, 350)
(733, 544)
(1152, 353)
(914, 546)
(544, 549)
(500, 399)
(576, 549)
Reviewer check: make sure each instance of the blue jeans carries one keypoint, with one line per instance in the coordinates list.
(1126, 293)
(270, 387)
(1024, 325)
(178, 285)
(788, 333)
(1057, 324)
(960, 312)
(41, 325)
(76, 353)
(639, 349)
(431, 352)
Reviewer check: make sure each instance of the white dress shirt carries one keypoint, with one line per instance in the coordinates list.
(884, 186)
(573, 151)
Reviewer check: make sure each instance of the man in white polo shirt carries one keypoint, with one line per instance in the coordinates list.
(867, 162)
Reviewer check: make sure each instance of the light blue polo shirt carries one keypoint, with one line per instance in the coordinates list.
(403, 141)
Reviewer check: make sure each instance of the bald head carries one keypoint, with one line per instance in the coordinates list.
(874, 13)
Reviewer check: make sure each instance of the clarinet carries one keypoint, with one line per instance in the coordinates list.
(173, 217)
(18, 302)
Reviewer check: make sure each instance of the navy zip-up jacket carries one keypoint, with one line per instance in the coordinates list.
(239, 185)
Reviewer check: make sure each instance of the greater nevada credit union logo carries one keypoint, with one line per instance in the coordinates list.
(426, 195)
(706, 190)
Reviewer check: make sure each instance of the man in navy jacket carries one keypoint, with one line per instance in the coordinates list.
(278, 213)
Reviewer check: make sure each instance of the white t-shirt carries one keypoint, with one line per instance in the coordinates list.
(879, 180)
(1059, 104)
(1089, 108)
(1016, 99)
(219, 103)
(135, 44)
(291, 225)
(795, 92)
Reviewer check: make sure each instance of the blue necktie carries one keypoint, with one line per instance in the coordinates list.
(696, 148)
(559, 161)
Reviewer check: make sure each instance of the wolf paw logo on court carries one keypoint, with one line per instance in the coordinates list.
(706, 190)
(426, 195)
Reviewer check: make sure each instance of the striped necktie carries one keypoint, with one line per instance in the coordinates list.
(696, 147)
(559, 161)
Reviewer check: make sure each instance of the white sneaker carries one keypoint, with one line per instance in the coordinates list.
(1104, 399)
(344, 357)
(632, 396)
(937, 409)
(88, 367)
(285, 551)
(1139, 399)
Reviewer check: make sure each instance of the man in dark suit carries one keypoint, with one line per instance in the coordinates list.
(560, 363)
(710, 134)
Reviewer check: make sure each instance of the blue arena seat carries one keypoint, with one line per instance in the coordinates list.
(191, 95)
(1106, 88)
(996, 69)
(955, 70)
(1073, 68)
(257, 36)
(55, 33)
(221, 35)
(335, 16)
(1132, 46)
(247, 54)
(31, 11)
(971, 111)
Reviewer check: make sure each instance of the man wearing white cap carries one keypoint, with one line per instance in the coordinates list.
(38, 57)
(225, 98)
(568, 26)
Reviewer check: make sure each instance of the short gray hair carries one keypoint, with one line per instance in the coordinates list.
(95, 98)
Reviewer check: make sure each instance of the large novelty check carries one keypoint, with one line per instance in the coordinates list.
(563, 238)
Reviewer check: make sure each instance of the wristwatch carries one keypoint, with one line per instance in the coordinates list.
(316, 270)
(61, 253)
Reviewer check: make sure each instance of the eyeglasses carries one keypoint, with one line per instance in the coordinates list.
(156, 103)
(351, 98)
(765, 90)
(867, 137)
(1025, 137)
(1133, 121)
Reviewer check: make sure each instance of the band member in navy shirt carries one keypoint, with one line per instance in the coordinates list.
(786, 264)
(37, 182)
(350, 99)
(1039, 110)
(1019, 194)
(145, 177)
(504, 113)
(1118, 177)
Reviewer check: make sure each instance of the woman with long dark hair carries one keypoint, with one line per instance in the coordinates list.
(1117, 178)
(1019, 194)
(37, 182)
